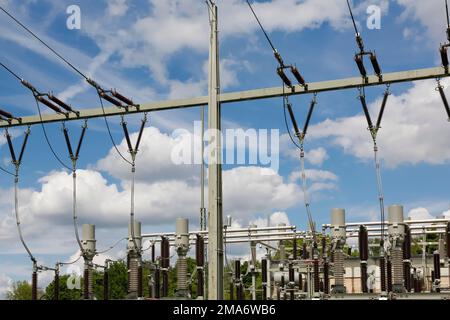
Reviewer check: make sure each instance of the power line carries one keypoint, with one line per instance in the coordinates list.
(43, 42)
(48, 140)
(353, 18)
(10, 71)
(110, 134)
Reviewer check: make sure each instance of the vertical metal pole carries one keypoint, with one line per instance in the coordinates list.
(215, 245)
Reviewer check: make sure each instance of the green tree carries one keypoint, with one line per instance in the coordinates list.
(21, 290)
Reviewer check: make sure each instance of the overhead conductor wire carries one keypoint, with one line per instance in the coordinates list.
(101, 93)
(300, 135)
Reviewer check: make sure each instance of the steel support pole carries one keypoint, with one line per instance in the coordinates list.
(215, 237)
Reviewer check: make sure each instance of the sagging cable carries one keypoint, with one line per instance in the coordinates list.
(374, 131)
(74, 159)
(440, 88)
(17, 164)
(301, 137)
(133, 152)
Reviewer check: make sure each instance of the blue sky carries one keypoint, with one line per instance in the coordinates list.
(157, 49)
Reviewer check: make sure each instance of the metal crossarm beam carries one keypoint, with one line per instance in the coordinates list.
(332, 85)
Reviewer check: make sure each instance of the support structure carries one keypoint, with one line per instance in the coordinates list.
(215, 244)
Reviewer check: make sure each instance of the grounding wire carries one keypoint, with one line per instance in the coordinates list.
(43, 42)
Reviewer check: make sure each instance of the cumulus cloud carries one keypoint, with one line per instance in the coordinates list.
(430, 14)
(419, 214)
(154, 160)
(414, 129)
(117, 8)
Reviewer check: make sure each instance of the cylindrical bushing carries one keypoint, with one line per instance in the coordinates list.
(364, 288)
(88, 238)
(200, 283)
(34, 280)
(338, 223)
(383, 274)
(56, 286)
(157, 280)
(389, 275)
(316, 276)
(437, 265)
(326, 278)
(182, 232)
(86, 282)
(137, 236)
(407, 244)
(407, 275)
(397, 272)
(395, 220)
(264, 277)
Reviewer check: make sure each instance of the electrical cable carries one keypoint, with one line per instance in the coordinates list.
(446, 10)
(353, 18)
(46, 137)
(110, 247)
(43, 42)
(302, 161)
(109, 132)
(374, 131)
(71, 262)
(262, 28)
(11, 72)
(16, 193)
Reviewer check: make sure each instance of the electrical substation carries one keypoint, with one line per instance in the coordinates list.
(292, 264)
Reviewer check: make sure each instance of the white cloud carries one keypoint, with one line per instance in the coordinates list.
(153, 161)
(317, 156)
(446, 214)
(420, 214)
(430, 14)
(117, 8)
(414, 129)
